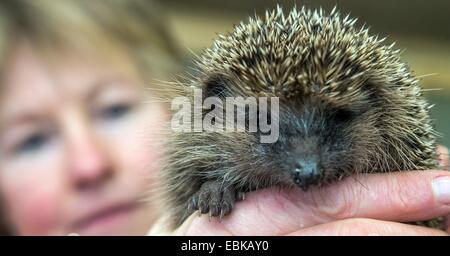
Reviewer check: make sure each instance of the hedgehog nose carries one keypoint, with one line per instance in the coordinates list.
(307, 172)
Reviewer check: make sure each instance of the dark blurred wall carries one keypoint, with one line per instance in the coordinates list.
(423, 18)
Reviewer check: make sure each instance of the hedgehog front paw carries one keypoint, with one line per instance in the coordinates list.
(214, 198)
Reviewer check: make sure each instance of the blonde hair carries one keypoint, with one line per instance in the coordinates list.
(93, 27)
(103, 28)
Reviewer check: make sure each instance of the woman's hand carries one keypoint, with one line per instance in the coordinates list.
(366, 204)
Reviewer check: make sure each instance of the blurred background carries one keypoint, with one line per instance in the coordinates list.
(421, 28)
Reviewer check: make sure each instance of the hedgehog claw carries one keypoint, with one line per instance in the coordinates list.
(221, 215)
(240, 196)
(214, 199)
(193, 204)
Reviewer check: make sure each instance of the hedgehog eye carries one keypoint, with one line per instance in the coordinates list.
(343, 115)
(216, 86)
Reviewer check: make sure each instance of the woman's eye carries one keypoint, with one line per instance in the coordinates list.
(32, 143)
(115, 111)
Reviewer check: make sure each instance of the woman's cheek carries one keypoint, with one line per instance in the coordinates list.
(150, 139)
(33, 195)
(33, 190)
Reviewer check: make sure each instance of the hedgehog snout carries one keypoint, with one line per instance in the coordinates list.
(306, 172)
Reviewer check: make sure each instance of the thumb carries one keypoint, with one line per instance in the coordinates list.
(162, 227)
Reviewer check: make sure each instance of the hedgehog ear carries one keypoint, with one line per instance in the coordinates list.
(217, 85)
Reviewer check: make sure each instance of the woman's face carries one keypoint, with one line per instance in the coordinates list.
(79, 146)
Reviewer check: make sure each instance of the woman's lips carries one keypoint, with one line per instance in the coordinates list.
(106, 221)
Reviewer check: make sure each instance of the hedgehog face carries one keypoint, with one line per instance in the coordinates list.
(319, 141)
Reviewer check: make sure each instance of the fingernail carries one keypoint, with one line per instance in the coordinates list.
(441, 161)
(442, 155)
(441, 189)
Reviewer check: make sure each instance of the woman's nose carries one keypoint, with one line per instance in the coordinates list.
(89, 165)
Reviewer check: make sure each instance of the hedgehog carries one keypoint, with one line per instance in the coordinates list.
(347, 104)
